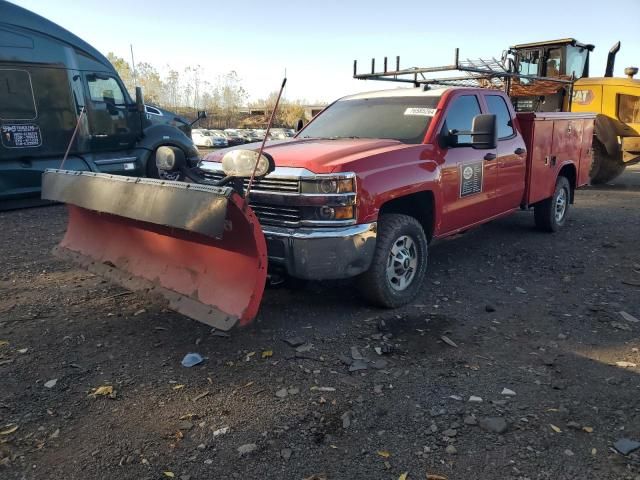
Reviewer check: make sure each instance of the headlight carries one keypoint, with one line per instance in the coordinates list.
(329, 185)
(326, 213)
(169, 158)
(241, 163)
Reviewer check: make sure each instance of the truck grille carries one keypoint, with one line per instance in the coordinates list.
(270, 214)
(265, 184)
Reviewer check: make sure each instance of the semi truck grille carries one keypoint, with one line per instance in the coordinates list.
(268, 214)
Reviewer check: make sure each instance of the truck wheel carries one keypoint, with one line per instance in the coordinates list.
(604, 167)
(550, 214)
(399, 263)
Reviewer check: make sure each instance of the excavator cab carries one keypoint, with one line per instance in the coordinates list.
(564, 59)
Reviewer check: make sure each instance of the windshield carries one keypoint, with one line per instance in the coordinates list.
(405, 119)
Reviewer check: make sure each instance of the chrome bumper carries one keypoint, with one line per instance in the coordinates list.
(322, 253)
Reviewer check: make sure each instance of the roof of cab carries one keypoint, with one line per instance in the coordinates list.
(22, 18)
(399, 92)
(560, 41)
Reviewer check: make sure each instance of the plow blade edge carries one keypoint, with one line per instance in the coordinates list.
(198, 249)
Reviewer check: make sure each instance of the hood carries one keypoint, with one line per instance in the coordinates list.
(319, 155)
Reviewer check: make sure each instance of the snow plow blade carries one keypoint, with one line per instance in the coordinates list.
(199, 249)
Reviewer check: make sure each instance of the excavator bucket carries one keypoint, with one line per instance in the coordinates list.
(199, 249)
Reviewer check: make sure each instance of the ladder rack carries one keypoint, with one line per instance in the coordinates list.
(483, 73)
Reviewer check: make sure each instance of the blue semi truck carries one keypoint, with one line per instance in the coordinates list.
(52, 83)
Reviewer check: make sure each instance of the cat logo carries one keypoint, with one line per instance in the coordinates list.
(582, 97)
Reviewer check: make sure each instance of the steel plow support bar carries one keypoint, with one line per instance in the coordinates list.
(197, 248)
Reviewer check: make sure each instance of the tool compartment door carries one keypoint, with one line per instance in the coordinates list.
(538, 135)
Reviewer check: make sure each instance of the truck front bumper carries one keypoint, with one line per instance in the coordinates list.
(322, 253)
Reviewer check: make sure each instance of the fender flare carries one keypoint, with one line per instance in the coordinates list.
(572, 182)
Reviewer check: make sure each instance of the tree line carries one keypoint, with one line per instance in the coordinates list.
(186, 92)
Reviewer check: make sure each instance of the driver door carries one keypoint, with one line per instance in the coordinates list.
(469, 175)
(112, 121)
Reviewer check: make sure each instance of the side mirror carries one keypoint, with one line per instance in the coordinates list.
(139, 100)
(202, 114)
(484, 132)
(299, 124)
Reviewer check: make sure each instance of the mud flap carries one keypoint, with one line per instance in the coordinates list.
(198, 249)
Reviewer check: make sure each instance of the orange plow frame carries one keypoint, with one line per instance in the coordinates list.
(218, 281)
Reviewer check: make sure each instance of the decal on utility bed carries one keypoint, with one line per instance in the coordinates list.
(420, 111)
(20, 136)
(471, 178)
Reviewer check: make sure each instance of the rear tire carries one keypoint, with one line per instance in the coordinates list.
(399, 263)
(604, 167)
(551, 214)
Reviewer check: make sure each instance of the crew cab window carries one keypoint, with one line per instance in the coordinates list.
(17, 101)
(498, 107)
(460, 116)
(629, 108)
(105, 89)
(405, 119)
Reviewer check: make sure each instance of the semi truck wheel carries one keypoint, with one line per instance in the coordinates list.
(604, 167)
(399, 263)
(551, 214)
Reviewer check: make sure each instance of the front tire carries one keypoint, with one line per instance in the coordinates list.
(551, 214)
(399, 263)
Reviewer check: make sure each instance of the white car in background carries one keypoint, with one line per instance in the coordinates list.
(208, 138)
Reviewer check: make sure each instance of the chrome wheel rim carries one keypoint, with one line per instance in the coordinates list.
(561, 205)
(402, 263)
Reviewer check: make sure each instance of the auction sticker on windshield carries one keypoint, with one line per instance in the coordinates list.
(420, 111)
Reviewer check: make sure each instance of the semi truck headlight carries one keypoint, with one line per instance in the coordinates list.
(332, 184)
(169, 159)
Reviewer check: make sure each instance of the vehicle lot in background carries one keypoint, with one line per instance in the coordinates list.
(234, 137)
(209, 138)
(554, 343)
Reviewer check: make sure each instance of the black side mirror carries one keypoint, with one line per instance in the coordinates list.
(299, 124)
(139, 100)
(484, 132)
(202, 114)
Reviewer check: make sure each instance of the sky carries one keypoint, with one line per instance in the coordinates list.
(316, 42)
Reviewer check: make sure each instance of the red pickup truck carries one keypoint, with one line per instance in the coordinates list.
(364, 188)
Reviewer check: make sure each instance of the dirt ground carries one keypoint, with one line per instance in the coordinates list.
(504, 307)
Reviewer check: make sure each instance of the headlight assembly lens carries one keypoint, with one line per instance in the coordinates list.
(326, 213)
(328, 186)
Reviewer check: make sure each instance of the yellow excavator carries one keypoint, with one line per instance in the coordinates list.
(616, 100)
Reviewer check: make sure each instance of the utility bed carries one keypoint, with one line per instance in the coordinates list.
(555, 139)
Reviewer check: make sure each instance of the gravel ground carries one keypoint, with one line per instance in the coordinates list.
(505, 368)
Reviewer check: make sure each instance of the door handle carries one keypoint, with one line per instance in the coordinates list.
(519, 151)
(490, 156)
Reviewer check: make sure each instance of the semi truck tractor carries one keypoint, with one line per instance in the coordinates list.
(53, 84)
(360, 192)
